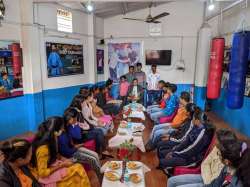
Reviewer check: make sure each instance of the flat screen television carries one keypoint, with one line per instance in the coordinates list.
(158, 57)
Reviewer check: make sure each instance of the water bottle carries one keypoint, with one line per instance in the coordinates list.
(126, 177)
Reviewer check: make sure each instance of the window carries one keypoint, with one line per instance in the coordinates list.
(64, 20)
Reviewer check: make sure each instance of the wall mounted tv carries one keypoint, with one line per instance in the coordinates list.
(158, 57)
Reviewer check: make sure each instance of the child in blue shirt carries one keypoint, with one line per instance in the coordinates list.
(171, 105)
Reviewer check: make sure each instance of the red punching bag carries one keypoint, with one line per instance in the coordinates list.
(215, 68)
(16, 58)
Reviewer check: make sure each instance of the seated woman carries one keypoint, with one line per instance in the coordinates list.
(87, 112)
(135, 92)
(171, 105)
(68, 149)
(234, 154)
(192, 149)
(88, 130)
(110, 109)
(74, 130)
(108, 97)
(210, 167)
(13, 168)
(49, 167)
(99, 113)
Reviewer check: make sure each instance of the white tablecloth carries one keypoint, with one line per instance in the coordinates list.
(118, 139)
(137, 111)
(141, 171)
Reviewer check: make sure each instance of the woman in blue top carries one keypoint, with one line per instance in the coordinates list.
(68, 149)
(171, 105)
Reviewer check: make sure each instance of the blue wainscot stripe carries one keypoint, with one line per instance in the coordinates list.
(238, 119)
(20, 114)
(200, 96)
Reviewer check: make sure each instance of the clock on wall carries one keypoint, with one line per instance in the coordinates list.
(2, 10)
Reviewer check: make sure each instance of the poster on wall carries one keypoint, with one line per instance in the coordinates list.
(64, 59)
(121, 56)
(100, 61)
(226, 63)
(11, 84)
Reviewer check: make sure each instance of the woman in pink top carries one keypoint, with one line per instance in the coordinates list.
(123, 90)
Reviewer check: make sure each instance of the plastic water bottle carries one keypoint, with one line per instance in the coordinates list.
(126, 177)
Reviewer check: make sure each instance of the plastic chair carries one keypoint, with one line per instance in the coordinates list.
(168, 119)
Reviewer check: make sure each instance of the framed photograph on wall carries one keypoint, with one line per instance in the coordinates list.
(100, 61)
(64, 59)
(11, 83)
(121, 56)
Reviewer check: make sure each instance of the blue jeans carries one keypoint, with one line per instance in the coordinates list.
(156, 116)
(153, 108)
(189, 180)
(161, 129)
(153, 96)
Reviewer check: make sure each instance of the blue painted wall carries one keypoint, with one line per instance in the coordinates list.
(238, 119)
(25, 113)
(200, 96)
(20, 114)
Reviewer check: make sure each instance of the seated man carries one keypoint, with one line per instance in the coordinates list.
(192, 149)
(171, 105)
(135, 92)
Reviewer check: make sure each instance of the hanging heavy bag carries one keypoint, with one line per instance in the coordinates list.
(237, 70)
(215, 68)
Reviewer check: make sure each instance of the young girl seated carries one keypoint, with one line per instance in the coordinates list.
(192, 149)
(171, 105)
(87, 131)
(68, 149)
(48, 166)
(13, 168)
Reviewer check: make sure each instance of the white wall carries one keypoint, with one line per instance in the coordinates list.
(231, 21)
(18, 26)
(46, 15)
(185, 20)
(10, 29)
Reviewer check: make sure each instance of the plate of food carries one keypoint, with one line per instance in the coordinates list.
(112, 176)
(137, 133)
(133, 165)
(122, 132)
(135, 178)
(138, 128)
(114, 165)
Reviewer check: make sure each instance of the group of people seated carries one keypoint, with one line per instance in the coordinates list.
(65, 146)
(183, 136)
(133, 84)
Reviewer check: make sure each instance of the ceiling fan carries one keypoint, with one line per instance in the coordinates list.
(150, 18)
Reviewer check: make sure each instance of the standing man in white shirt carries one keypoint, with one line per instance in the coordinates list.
(152, 85)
